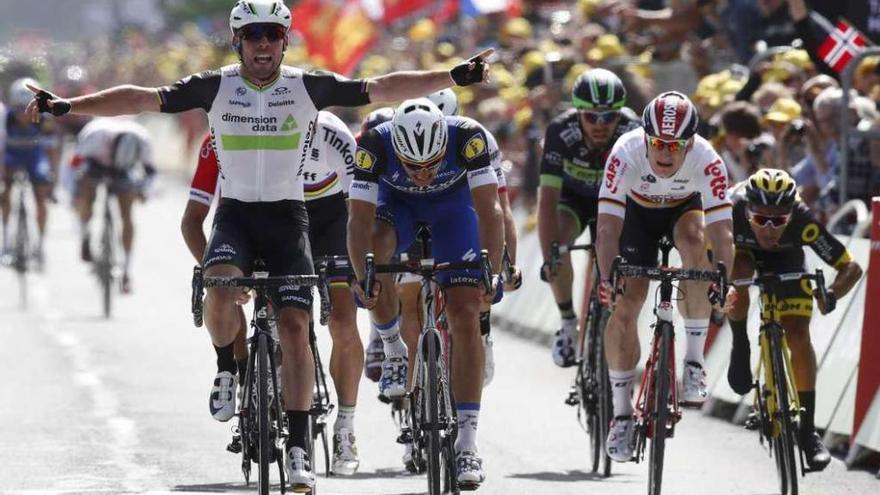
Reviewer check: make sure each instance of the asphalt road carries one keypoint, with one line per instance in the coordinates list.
(120, 405)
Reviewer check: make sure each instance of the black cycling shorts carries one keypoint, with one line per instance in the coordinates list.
(794, 297)
(584, 209)
(119, 183)
(275, 232)
(328, 228)
(644, 227)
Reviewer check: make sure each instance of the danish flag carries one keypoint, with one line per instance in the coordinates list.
(840, 44)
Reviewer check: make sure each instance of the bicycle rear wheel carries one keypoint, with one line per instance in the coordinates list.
(784, 440)
(660, 416)
(266, 446)
(588, 382)
(432, 413)
(105, 266)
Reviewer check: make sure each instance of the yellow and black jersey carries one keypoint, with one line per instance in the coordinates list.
(802, 230)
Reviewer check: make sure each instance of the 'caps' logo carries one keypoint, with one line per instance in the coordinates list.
(475, 147)
(364, 160)
(241, 91)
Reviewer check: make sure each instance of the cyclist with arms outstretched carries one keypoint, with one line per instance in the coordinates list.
(772, 226)
(262, 115)
(576, 144)
(660, 180)
(423, 167)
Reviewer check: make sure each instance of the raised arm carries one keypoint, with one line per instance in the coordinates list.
(119, 100)
(413, 84)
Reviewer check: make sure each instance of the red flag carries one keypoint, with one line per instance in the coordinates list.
(397, 9)
(336, 36)
(840, 43)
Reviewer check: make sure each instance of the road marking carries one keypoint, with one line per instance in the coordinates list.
(122, 441)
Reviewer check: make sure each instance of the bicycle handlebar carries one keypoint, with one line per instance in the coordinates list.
(425, 267)
(765, 280)
(557, 250)
(620, 269)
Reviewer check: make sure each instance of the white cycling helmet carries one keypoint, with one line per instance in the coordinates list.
(258, 12)
(19, 94)
(418, 131)
(446, 101)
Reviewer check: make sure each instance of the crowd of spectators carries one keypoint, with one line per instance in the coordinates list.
(765, 96)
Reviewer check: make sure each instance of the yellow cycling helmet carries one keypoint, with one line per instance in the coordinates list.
(771, 187)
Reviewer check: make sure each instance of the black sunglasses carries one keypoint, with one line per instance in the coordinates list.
(255, 32)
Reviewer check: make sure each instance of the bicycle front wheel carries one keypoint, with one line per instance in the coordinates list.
(105, 268)
(783, 441)
(432, 413)
(660, 415)
(605, 409)
(266, 445)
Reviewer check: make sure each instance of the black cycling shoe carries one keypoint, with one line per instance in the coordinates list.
(739, 374)
(817, 455)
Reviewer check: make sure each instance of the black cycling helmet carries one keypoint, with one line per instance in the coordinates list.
(670, 115)
(598, 89)
(771, 187)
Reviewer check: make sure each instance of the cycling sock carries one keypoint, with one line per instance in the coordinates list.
(569, 326)
(621, 387)
(299, 429)
(485, 326)
(566, 310)
(344, 418)
(697, 330)
(241, 364)
(126, 263)
(390, 333)
(468, 417)
(807, 399)
(225, 358)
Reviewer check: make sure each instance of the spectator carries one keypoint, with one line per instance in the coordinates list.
(787, 128)
(740, 123)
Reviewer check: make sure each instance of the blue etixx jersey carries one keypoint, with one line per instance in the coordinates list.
(26, 144)
(466, 164)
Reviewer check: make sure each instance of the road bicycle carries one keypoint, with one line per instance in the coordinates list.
(776, 414)
(657, 408)
(432, 417)
(19, 258)
(261, 429)
(591, 390)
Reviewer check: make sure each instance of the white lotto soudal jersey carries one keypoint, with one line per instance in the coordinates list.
(331, 159)
(95, 140)
(628, 175)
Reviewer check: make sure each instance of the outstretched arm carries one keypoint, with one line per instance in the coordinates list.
(413, 84)
(119, 100)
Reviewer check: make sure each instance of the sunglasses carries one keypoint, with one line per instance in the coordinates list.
(772, 221)
(422, 168)
(600, 117)
(673, 145)
(255, 32)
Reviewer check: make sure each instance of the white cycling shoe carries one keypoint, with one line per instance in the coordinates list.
(563, 349)
(619, 444)
(222, 399)
(693, 383)
(345, 454)
(392, 385)
(469, 470)
(489, 361)
(299, 470)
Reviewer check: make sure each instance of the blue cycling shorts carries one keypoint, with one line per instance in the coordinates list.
(455, 234)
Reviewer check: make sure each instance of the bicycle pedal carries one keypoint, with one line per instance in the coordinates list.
(753, 423)
(385, 400)
(572, 399)
(234, 446)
